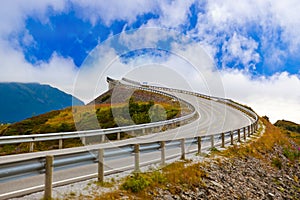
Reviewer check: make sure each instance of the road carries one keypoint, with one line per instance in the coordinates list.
(214, 117)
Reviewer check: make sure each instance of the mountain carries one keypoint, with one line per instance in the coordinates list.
(22, 100)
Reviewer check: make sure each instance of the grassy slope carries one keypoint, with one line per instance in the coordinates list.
(183, 176)
(81, 118)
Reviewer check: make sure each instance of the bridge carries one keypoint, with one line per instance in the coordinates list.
(212, 122)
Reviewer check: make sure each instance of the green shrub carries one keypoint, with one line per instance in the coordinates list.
(158, 177)
(214, 149)
(136, 183)
(291, 154)
(277, 162)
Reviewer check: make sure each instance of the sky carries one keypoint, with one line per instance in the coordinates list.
(248, 51)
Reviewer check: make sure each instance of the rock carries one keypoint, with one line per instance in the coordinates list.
(217, 184)
(271, 195)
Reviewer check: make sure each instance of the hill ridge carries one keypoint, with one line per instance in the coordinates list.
(23, 100)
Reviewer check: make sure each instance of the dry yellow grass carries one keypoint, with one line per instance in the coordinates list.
(258, 148)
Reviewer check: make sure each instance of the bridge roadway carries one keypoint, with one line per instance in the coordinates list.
(214, 117)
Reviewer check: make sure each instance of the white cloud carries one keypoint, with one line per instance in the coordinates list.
(276, 96)
(242, 49)
(277, 23)
(174, 13)
(58, 72)
(286, 14)
(14, 12)
(94, 10)
(171, 13)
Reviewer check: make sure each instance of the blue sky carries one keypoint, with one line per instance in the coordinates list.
(254, 44)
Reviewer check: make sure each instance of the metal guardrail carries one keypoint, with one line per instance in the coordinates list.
(34, 166)
(88, 133)
(46, 164)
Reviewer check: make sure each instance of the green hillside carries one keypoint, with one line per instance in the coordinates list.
(128, 112)
(288, 125)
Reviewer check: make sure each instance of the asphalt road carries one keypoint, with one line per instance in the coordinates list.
(214, 117)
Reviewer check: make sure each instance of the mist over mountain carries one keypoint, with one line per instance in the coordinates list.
(22, 100)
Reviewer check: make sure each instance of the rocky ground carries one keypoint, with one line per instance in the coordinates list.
(244, 178)
(248, 178)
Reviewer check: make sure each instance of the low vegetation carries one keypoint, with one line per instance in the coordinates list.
(89, 117)
(288, 126)
(186, 176)
(176, 176)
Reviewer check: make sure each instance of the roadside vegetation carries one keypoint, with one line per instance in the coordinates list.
(276, 153)
(89, 117)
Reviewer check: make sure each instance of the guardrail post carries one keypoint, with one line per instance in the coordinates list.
(182, 142)
(199, 144)
(31, 146)
(223, 140)
(212, 141)
(118, 136)
(143, 131)
(249, 131)
(48, 177)
(244, 131)
(60, 143)
(100, 165)
(231, 137)
(102, 138)
(83, 140)
(153, 130)
(239, 135)
(136, 158)
(163, 153)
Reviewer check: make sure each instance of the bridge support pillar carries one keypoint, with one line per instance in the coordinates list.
(244, 132)
(212, 141)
